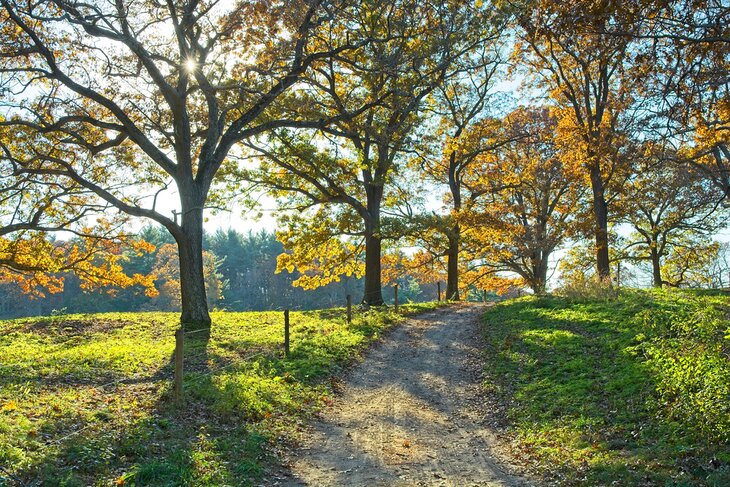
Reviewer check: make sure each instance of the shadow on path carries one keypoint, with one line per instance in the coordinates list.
(407, 414)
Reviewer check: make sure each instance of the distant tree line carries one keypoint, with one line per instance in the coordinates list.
(240, 276)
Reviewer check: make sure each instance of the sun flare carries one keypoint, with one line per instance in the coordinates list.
(190, 65)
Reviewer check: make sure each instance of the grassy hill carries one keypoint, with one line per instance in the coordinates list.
(86, 399)
(630, 391)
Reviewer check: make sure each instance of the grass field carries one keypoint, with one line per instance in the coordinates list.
(632, 391)
(86, 399)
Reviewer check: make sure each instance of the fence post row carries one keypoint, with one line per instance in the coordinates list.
(286, 332)
(349, 308)
(395, 296)
(179, 346)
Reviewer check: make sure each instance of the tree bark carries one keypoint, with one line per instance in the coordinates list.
(373, 287)
(452, 265)
(192, 280)
(656, 268)
(373, 295)
(600, 213)
(538, 284)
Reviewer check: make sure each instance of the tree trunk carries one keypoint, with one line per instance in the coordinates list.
(600, 213)
(373, 289)
(539, 272)
(192, 280)
(452, 265)
(373, 295)
(538, 286)
(656, 268)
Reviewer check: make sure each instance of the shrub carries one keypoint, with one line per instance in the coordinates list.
(687, 346)
(582, 288)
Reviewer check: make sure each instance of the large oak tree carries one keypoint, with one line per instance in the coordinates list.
(463, 105)
(526, 200)
(151, 97)
(582, 55)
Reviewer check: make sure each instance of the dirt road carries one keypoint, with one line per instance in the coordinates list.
(408, 414)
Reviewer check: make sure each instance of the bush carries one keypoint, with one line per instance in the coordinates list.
(582, 288)
(687, 346)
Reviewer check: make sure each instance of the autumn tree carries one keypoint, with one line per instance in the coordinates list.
(440, 235)
(462, 104)
(35, 207)
(582, 55)
(527, 200)
(689, 82)
(151, 98)
(673, 211)
(341, 179)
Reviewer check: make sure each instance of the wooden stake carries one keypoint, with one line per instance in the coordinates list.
(349, 308)
(484, 295)
(179, 345)
(438, 286)
(395, 296)
(286, 332)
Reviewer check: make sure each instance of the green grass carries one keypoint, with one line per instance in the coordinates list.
(631, 391)
(86, 399)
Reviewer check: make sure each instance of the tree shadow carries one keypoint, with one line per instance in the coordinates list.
(569, 373)
(238, 399)
(137, 434)
(243, 399)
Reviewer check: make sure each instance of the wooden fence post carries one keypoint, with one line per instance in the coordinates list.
(286, 332)
(179, 345)
(438, 286)
(395, 296)
(349, 308)
(484, 295)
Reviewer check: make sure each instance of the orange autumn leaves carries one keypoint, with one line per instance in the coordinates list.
(522, 197)
(37, 265)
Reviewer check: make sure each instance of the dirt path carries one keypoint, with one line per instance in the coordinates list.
(407, 415)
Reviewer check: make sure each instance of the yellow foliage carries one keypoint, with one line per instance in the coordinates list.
(37, 265)
(316, 248)
(9, 406)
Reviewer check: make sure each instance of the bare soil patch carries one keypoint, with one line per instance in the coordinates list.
(411, 414)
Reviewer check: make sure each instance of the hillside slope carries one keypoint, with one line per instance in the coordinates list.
(631, 391)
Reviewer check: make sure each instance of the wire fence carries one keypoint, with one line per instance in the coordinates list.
(193, 378)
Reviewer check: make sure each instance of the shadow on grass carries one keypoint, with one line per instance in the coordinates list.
(138, 436)
(242, 396)
(581, 400)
